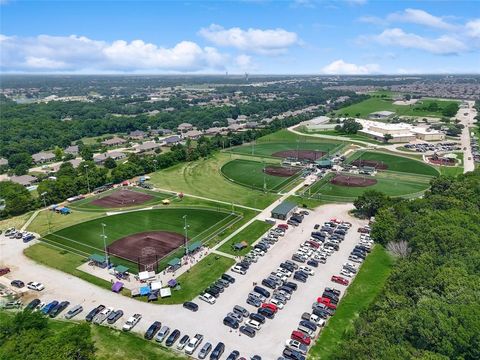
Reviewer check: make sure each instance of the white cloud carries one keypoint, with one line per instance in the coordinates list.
(372, 20)
(243, 61)
(420, 17)
(340, 67)
(444, 45)
(266, 42)
(473, 28)
(77, 53)
(356, 2)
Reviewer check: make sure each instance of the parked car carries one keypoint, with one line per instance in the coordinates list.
(152, 330)
(162, 334)
(236, 316)
(339, 280)
(231, 322)
(233, 355)
(253, 324)
(33, 285)
(239, 270)
(17, 283)
(49, 307)
(172, 338)
(293, 354)
(218, 351)
(299, 336)
(131, 322)
(102, 316)
(208, 298)
(193, 344)
(267, 312)
(114, 316)
(183, 342)
(58, 309)
(74, 311)
(94, 312)
(254, 301)
(241, 310)
(257, 317)
(190, 306)
(205, 350)
(261, 291)
(32, 305)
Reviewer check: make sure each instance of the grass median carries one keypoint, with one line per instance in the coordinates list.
(250, 234)
(366, 286)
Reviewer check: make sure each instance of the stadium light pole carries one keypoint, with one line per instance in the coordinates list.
(45, 204)
(155, 164)
(86, 172)
(185, 227)
(105, 242)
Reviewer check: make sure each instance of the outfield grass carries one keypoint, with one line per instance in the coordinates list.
(250, 234)
(373, 104)
(203, 178)
(84, 238)
(250, 174)
(40, 226)
(353, 137)
(360, 294)
(396, 163)
(268, 149)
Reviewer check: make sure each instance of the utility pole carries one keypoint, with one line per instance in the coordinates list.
(264, 180)
(155, 164)
(105, 243)
(45, 204)
(185, 227)
(86, 172)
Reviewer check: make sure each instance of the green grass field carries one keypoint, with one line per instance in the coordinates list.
(353, 137)
(268, 149)
(373, 104)
(360, 294)
(84, 238)
(393, 184)
(250, 234)
(396, 163)
(250, 174)
(203, 178)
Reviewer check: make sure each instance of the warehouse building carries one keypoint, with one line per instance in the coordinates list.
(284, 210)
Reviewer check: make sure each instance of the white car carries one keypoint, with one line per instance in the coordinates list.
(279, 304)
(257, 251)
(32, 285)
(238, 270)
(297, 346)
(285, 271)
(253, 323)
(100, 317)
(193, 344)
(207, 298)
(355, 259)
(131, 322)
(281, 275)
(346, 273)
(285, 294)
(307, 270)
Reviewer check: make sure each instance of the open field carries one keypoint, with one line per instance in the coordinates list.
(84, 239)
(203, 178)
(353, 137)
(249, 235)
(396, 163)
(269, 149)
(366, 107)
(360, 294)
(16, 222)
(250, 174)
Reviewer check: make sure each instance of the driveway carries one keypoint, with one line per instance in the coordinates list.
(208, 320)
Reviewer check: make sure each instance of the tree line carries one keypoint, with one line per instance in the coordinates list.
(430, 305)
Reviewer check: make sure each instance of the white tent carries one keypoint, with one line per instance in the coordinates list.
(165, 292)
(145, 275)
(156, 285)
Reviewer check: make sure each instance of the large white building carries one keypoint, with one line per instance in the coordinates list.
(401, 132)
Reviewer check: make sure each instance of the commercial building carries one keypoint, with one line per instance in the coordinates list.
(401, 132)
(284, 210)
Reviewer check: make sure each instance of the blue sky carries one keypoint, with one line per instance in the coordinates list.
(255, 36)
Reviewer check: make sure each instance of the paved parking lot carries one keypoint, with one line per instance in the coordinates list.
(268, 342)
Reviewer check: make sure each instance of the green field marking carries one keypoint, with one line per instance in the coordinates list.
(250, 234)
(250, 174)
(84, 238)
(396, 163)
(359, 295)
(203, 178)
(373, 104)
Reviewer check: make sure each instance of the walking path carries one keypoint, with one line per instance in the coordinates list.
(29, 221)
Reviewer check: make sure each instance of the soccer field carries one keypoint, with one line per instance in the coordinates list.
(85, 238)
(396, 163)
(250, 173)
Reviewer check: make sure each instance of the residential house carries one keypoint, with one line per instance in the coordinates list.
(115, 141)
(184, 127)
(161, 132)
(235, 127)
(192, 134)
(251, 125)
(25, 180)
(213, 131)
(115, 155)
(147, 146)
(72, 150)
(172, 140)
(43, 157)
(137, 135)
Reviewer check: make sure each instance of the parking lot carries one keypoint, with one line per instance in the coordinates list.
(269, 340)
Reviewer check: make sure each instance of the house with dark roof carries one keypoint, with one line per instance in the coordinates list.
(172, 140)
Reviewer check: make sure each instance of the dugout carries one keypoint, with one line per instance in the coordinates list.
(284, 210)
(324, 164)
(98, 260)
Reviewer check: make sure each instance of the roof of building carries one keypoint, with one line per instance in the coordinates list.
(23, 179)
(284, 208)
(43, 155)
(382, 113)
(73, 149)
(193, 133)
(325, 162)
(172, 139)
(3, 161)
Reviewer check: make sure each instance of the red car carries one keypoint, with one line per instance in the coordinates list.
(313, 244)
(283, 226)
(327, 302)
(340, 280)
(299, 336)
(272, 307)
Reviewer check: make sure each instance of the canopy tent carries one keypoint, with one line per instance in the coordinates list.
(194, 246)
(65, 210)
(98, 259)
(174, 262)
(157, 285)
(144, 290)
(145, 275)
(165, 292)
(121, 269)
(153, 296)
(117, 286)
(172, 283)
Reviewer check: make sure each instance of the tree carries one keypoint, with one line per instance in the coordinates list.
(387, 137)
(18, 200)
(110, 163)
(22, 158)
(86, 153)
(349, 126)
(58, 153)
(370, 202)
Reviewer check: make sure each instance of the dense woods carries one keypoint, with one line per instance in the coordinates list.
(430, 306)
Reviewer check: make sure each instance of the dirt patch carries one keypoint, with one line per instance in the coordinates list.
(280, 171)
(443, 161)
(300, 154)
(372, 163)
(352, 181)
(122, 198)
(146, 248)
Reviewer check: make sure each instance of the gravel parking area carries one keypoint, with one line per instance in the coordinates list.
(269, 341)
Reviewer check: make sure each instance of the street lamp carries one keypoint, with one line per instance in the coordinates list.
(185, 227)
(155, 164)
(86, 172)
(104, 242)
(45, 204)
